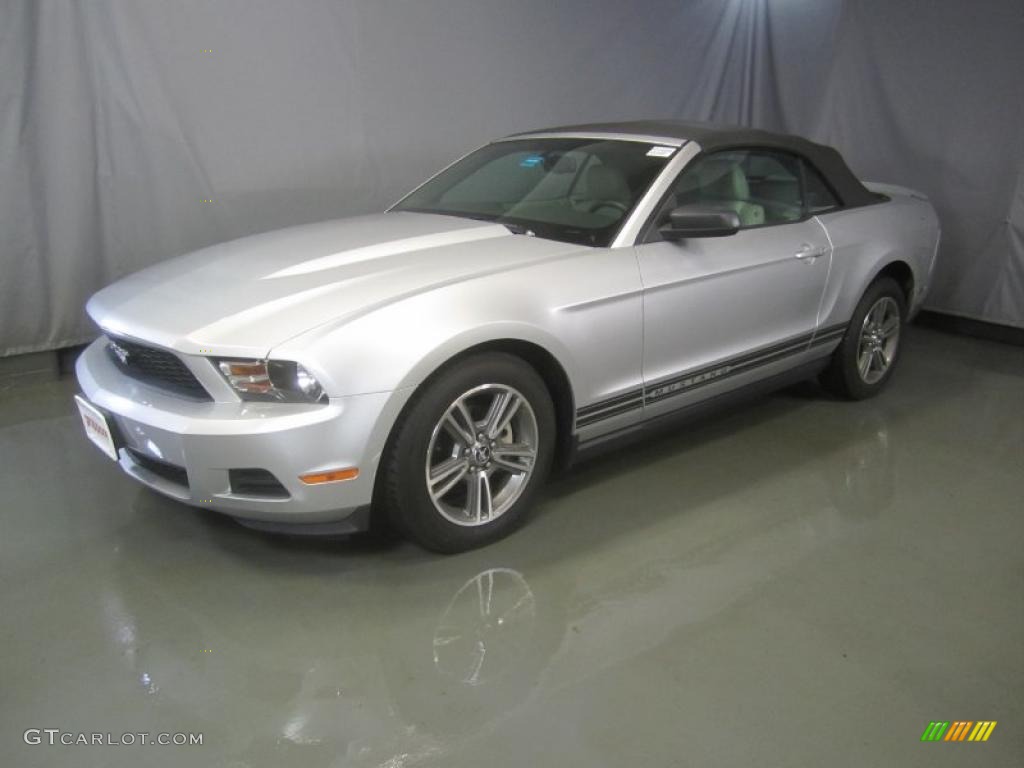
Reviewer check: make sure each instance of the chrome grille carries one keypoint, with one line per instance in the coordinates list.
(156, 367)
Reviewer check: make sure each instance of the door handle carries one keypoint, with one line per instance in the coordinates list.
(809, 253)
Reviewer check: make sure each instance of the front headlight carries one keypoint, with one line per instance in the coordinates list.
(276, 381)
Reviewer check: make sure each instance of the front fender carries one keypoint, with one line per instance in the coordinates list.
(395, 350)
(397, 347)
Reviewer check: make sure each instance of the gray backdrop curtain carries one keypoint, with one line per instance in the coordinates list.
(120, 118)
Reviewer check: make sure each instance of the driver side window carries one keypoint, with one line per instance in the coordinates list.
(760, 186)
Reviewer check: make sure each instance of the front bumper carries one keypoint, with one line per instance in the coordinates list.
(208, 439)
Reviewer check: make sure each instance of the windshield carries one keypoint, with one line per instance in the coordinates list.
(576, 190)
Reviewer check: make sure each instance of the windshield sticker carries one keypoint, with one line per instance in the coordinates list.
(661, 151)
(531, 161)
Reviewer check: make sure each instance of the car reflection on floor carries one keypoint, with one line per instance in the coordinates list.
(442, 648)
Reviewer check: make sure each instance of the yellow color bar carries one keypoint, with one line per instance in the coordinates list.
(982, 730)
(330, 476)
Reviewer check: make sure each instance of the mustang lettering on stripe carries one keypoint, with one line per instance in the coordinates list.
(679, 383)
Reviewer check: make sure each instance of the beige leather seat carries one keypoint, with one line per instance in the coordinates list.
(722, 182)
(605, 185)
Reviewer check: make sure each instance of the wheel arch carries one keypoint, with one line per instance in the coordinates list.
(540, 358)
(555, 378)
(900, 271)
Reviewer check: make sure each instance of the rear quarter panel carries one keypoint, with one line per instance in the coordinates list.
(867, 239)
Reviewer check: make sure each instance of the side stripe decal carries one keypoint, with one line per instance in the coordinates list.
(611, 401)
(676, 384)
(679, 383)
(585, 421)
(826, 335)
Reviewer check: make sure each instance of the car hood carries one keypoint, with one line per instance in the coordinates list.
(248, 295)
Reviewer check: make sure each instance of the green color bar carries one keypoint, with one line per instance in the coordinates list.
(935, 730)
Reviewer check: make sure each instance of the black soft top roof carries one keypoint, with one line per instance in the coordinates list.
(715, 136)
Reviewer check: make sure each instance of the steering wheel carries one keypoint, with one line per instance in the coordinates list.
(621, 207)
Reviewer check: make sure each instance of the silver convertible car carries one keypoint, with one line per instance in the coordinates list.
(547, 293)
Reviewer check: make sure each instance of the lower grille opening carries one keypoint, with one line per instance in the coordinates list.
(170, 472)
(256, 482)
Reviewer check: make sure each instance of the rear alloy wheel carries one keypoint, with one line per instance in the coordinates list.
(879, 339)
(867, 355)
(469, 454)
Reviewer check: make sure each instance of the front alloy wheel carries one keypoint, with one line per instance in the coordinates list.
(469, 453)
(481, 454)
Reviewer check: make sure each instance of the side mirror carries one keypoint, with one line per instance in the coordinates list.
(700, 221)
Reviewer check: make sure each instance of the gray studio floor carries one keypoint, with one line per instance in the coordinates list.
(804, 582)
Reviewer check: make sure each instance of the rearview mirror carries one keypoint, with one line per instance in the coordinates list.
(559, 163)
(700, 221)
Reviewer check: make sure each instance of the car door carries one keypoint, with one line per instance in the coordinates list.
(722, 312)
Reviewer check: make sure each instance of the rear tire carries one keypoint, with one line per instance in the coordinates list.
(469, 453)
(863, 362)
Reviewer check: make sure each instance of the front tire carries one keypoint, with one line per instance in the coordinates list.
(469, 453)
(865, 359)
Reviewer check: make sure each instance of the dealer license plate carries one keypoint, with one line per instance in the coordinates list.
(96, 427)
